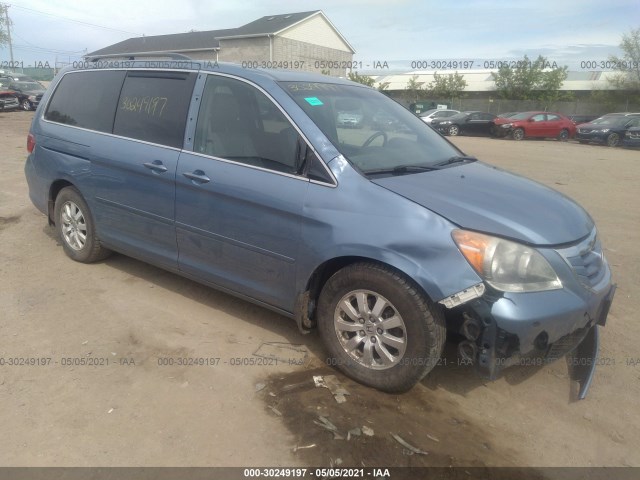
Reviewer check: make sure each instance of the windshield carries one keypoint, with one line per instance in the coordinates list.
(427, 112)
(611, 120)
(384, 136)
(28, 85)
(521, 116)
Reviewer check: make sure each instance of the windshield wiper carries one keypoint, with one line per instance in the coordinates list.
(402, 169)
(456, 159)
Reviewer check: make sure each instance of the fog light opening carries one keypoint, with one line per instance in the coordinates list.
(542, 341)
(467, 351)
(471, 328)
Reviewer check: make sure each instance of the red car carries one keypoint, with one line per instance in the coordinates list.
(535, 124)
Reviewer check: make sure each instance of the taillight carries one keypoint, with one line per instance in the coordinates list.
(31, 142)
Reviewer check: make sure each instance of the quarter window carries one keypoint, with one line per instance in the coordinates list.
(86, 99)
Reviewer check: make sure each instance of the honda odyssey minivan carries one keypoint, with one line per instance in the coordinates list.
(384, 238)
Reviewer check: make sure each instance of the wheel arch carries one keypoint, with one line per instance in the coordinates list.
(54, 190)
(307, 300)
(519, 127)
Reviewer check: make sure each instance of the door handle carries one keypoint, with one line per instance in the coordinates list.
(156, 166)
(197, 176)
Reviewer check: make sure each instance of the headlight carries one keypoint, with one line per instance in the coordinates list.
(506, 266)
(445, 122)
(32, 98)
(604, 130)
(507, 125)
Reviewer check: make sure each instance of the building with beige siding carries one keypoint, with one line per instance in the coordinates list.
(306, 41)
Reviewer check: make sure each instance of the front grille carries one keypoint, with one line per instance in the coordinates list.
(587, 260)
(634, 135)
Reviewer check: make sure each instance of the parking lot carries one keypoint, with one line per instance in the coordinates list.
(90, 369)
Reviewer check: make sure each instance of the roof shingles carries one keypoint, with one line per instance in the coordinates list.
(181, 42)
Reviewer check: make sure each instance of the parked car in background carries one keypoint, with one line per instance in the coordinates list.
(507, 114)
(30, 93)
(632, 137)
(381, 120)
(430, 115)
(7, 77)
(535, 124)
(579, 119)
(349, 119)
(8, 101)
(465, 123)
(609, 129)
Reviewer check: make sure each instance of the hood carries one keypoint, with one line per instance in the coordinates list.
(480, 197)
(501, 120)
(35, 91)
(600, 126)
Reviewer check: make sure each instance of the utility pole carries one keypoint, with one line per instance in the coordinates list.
(8, 22)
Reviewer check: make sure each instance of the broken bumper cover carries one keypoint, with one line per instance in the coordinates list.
(534, 329)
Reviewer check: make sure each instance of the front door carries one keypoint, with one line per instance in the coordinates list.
(239, 197)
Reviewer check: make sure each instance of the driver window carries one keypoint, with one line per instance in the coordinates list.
(238, 122)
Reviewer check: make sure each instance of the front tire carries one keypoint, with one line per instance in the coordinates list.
(379, 328)
(26, 105)
(613, 140)
(76, 228)
(454, 130)
(518, 134)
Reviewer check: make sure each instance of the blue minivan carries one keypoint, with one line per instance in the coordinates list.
(385, 238)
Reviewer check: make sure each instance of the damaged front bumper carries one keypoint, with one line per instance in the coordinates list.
(532, 329)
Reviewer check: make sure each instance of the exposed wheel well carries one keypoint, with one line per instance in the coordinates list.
(306, 307)
(53, 194)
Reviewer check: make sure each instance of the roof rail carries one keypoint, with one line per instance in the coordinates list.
(132, 56)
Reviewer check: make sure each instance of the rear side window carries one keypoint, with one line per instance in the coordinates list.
(86, 99)
(153, 106)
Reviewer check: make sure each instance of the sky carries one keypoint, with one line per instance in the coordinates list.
(398, 32)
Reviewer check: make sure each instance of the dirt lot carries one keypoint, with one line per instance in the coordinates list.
(126, 317)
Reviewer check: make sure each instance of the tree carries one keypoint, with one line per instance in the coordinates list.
(628, 66)
(447, 86)
(414, 90)
(383, 86)
(363, 79)
(527, 80)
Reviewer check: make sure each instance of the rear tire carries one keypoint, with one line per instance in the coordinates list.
(563, 136)
(76, 228)
(379, 328)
